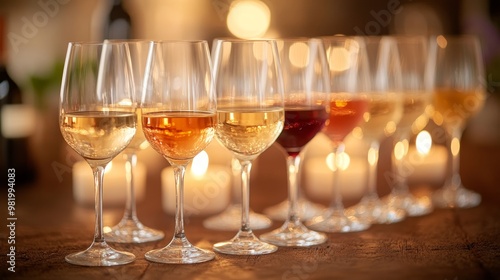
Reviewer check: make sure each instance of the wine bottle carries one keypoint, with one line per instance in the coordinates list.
(118, 24)
(16, 126)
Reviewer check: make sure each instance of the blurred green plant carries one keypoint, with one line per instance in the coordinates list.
(493, 75)
(48, 83)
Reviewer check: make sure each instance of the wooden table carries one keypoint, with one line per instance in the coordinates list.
(447, 244)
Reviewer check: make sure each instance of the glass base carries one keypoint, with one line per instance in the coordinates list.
(337, 221)
(244, 243)
(305, 208)
(100, 254)
(230, 219)
(373, 211)
(132, 231)
(447, 197)
(412, 205)
(294, 234)
(179, 251)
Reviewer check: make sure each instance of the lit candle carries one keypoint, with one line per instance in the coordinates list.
(114, 186)
(318, 176)
(426, 162)
(206, 187)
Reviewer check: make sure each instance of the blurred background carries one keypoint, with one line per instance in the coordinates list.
(37, 32)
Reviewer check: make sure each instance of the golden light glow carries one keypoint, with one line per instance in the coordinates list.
(106, 229)
(338, 59)
(423, 142)
(125, 102)
(298, 54)
(441, 41)
(455, 146)
(357, 132)
(248, 18)
(390, 128)
(200, 164)
(400, 149)
(420, 123)
(372, 156)
(342, 161)
(108, 167)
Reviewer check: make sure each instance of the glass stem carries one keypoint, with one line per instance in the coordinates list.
(130, 206)
(246, 167)
(337, 206)
(453, 143)
(293, 164)
(98, 181)
(179, 171)
(236, 187)
(372, 169)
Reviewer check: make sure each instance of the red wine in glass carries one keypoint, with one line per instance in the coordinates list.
(302, 123)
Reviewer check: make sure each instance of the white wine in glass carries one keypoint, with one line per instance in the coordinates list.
(417, 71)
(385, 109)
(250, 117)
(130, 229)
(97, 119)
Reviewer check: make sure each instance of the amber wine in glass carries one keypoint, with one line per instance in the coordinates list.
(346, 102)
(178, 119)
(459, 94)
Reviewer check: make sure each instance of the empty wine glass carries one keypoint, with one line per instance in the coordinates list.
(230, 218)
(250, 114)
(417, 72)
(459, 94)
(347, 104)
(306, 82)
(178, 118)
(130, 229)
(385, 109)
(97, 119)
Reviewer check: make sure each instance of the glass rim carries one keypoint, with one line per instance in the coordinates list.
(242, 40)
(298, 39)
(173, 41)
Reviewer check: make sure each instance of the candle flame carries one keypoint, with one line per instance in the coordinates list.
(200, 164)
(401, 149)
(342, 161)
(423, 142)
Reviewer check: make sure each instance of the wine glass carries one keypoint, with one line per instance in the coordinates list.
(250, 114)
(385, 109)
(347, 104)
(229, 219)
(417, 85)
(459, 94)
(130, 229)
(178, 119)
(97, 119)
(306, 82)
